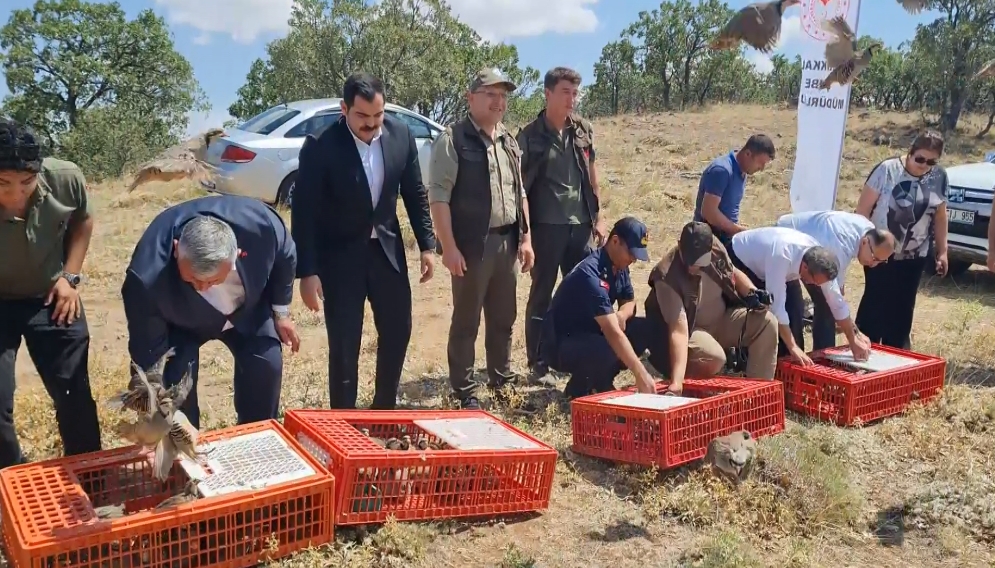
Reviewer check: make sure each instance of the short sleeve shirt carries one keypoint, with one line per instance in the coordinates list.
(907, 204)
(724, 179)
(589, 291)
(34, 246)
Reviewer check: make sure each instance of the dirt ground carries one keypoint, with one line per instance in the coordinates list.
(915, 490)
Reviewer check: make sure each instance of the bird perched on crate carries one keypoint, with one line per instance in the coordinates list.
(842, 55)
(758, 25)
(183, 161)
(188, 495)
(914, 6)
(732, 456)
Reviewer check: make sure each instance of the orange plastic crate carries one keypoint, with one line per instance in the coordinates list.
(49, 518)
(675, 436)
(373, 482)
(833, 393)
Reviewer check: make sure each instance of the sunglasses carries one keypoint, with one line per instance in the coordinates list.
(921, 160)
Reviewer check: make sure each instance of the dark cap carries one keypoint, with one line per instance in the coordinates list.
(19, 149)
(634, 234)
(491, 76)
(696, 244)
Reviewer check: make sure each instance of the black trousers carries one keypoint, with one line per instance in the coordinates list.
(558, 248)
(590, 359)
(61, 356)
(889, 302)
(371, 277)
(258, 373)
(794, 303)
(823, 320)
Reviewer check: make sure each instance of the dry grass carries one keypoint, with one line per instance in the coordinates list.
(914, 490)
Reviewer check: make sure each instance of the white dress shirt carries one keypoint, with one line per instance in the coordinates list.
(775, 254)
(372, 157)
(229, 296)
(838, 231)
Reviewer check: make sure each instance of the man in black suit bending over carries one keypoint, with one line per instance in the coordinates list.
(349, 246)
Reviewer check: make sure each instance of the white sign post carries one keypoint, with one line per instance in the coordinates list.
(821, 113)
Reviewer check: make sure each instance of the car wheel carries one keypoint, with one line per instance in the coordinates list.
(285, 195)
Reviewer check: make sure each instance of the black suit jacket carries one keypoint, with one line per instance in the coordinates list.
(332, 212)
(162, 310)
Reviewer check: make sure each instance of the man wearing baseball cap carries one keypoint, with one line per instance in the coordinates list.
(481, 219)
(696, 320)
(583, 334)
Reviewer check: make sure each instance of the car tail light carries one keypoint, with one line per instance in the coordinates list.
(237, 154)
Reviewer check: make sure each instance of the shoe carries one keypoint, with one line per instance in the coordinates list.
(469, 403)
(537, 372)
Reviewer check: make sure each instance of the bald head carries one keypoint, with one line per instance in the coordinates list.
(876, 247)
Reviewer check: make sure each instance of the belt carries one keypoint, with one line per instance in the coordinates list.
(503, 230)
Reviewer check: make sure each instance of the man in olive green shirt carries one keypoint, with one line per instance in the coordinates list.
(45, 229)
(481, 221)
(561, 183)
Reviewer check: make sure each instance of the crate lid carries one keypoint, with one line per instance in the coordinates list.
(649, 401)
(246, 462)
(476, 434)
(878, 360)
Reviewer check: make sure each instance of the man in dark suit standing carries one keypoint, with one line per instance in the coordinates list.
(215, 268)
(344, 221)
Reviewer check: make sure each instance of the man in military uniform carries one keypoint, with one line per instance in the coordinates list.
(45, 229)
(562, 188)
(583, 334)
(703, 307)
(481, 219)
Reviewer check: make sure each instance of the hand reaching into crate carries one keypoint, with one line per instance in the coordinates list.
(732, 456)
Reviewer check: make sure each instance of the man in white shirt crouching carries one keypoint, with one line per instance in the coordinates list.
(774, 256)
(849, 236)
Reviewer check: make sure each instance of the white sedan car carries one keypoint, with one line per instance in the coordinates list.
(259, 158)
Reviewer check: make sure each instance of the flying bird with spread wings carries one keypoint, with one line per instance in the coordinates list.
(914, 6)
(758, 25)
(842, 55)
(183, 161)
(987, 71)
(157, 408)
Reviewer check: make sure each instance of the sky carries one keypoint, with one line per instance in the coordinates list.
(221, 38)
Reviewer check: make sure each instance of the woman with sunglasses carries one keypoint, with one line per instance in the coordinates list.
(906, 195)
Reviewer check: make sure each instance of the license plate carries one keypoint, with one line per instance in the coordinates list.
(961, 216)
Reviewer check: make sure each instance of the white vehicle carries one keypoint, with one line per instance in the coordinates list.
(259, 157)
(969, 207)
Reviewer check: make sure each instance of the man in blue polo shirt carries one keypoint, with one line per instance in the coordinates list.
(723, 184)
(583, 334)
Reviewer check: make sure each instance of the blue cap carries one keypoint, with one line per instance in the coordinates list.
(634, 234)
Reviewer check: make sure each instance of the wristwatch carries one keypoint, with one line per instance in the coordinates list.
(281, 312)
(72, 279)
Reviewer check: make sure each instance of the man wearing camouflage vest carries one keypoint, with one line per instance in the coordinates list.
(702, 318)
(481, 219)
(562, 188)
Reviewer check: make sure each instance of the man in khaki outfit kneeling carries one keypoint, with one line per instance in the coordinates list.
(704, 307)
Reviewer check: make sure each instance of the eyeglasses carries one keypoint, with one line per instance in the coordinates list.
(921, 160)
